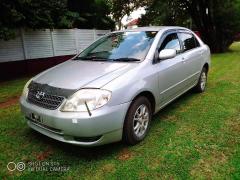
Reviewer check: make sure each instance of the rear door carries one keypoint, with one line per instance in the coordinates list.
(192, 54)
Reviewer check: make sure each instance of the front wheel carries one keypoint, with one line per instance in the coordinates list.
(137, 121)
(201, 85)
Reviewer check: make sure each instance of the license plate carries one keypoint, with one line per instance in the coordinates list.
(35, 117)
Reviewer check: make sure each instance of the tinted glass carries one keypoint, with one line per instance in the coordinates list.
(197, 42)
(171, 42)
(189, 41)
(120, 45)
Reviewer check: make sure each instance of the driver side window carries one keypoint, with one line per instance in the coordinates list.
(171, 42)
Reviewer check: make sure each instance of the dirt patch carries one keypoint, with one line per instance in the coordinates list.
(209, 165)
(45, 154)
(154, 163)
(234, 124)
(169, 118)
(124, 154)
(9, 102)
(3, 83)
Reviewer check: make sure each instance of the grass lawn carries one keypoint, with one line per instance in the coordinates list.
(196, 136)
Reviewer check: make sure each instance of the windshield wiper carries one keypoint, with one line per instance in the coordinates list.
(92, 58)
(126, 59)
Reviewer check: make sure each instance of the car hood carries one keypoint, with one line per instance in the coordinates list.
(75, 74)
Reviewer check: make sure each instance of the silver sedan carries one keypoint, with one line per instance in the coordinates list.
(110, 91)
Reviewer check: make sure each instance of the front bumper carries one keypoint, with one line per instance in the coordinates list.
(103, 126)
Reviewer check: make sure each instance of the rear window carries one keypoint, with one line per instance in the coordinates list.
(189, 41)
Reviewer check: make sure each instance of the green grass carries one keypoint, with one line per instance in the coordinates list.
(196, 136)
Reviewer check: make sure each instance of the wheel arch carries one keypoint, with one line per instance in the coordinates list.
(149, 95)
(206, 65)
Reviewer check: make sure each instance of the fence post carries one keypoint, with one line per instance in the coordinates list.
(94, 34)
(76, 40)
(23, 44)
(52, 41)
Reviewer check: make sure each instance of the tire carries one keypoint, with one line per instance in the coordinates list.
(202, 82)
(137, 121)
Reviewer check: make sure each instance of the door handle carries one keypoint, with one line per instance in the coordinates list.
(200, 53)
(183, 60)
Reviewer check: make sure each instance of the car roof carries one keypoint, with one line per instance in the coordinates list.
(156, 28)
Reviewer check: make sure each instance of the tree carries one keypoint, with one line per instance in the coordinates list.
(164, 13)
(30, 13)
(91, 14)
(217, 20)
(51, 14)
(120, 8)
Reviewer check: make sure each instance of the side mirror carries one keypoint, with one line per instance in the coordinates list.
(167, 54)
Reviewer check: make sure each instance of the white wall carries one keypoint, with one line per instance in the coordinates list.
(30, 44)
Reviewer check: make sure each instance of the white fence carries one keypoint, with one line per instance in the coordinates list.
(31, 44)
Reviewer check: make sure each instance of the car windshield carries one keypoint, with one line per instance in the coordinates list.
(119, 46)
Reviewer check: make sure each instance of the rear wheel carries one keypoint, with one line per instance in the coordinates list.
(201, 85)
(137, 121)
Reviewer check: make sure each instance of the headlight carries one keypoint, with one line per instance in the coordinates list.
(25, 89)
(87, 98)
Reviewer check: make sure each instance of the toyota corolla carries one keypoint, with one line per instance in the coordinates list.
(110, 91)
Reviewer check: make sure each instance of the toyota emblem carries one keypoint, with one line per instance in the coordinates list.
(40, 95)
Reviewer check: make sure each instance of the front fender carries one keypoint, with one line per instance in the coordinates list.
(126, 87)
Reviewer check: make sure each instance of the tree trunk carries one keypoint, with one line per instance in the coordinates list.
(119, 24)
(212, 35)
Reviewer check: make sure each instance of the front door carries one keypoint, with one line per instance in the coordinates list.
(171, 72)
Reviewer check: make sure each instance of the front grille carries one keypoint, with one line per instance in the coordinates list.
(47, 101)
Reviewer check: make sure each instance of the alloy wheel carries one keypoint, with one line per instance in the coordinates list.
(203, 80)
(141, 120)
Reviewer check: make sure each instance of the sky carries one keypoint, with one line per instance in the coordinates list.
(134, 15)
